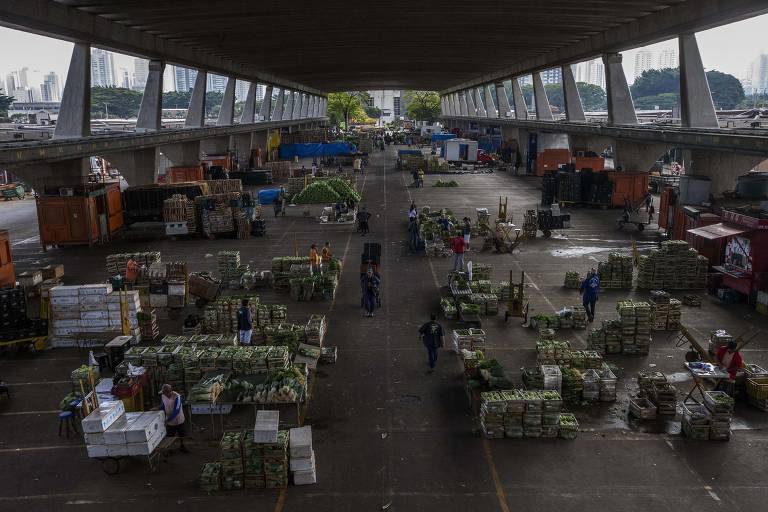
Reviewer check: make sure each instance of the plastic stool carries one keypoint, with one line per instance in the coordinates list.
(67, 419)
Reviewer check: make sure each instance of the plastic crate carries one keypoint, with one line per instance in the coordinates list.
(757, 387)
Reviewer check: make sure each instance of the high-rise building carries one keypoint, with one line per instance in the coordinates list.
(757, 74)
(17, 85)
(643, 62)
(552, 76)
(241, 90)
(388, 101)
(261, 90)
(590, 72)
(102, 68)
(50, 89)
(668, 58)
(140, 73)
(125, 79)
(184, 79)
(216, 83)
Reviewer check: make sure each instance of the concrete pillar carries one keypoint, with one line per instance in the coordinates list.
(443, 108)
(151, 110)
(696, 107)
(633, 156)
(265, 112)
(324, 110)
(182, 154)
(481, 112)
(67, 173)
(241, 145)
(490, 107)
(471, 105)
(621, 110)
(75, 110)
(722, 168)
(305, 106)
(227, 111)
(138, 167)
(452, 105)
(521, 109)
(463, 103)
(543, 110)
(249, 107)
(288, 109)
(312, 104)
(502, 101)
(574, 110)
(196, 112)
(277, 115)
(298, 100)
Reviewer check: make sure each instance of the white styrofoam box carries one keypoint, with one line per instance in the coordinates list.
(64, 300)
(88, 300)
(66, 315)
(103, 417)
(301, 442)
(266, 426)
(103, 450)
(90, 323)
(132, 296)
(97, 438)
(762, 298)
(61, 291)
(304, 477)
(303, 463)
(145, 427)
(211, 409)
(93, 307)
(66, 323)
(62, 342)
(95, 289)
(64, 331)
(177, 289)
(115, 434)
(148, 447)
(94, 315)
(157, 300)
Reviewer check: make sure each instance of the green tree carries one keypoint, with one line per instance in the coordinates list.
(5, 102)
(176, 99)
(656, 81)
(115, 102)
(423, 105)
(346, 106)
(727, 91)
(593, 97)
(663, 101)
(373, 112)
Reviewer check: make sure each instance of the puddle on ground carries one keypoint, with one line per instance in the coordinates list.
(572, 252)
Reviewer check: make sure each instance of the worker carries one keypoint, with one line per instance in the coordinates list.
(730, 359)
(314, 260)
(314, 169)
(466, 230)
(357, 164)
(171, 404)
(421, 178)
(431, 334)
(362, 219)
(457, 244)
(369, 286)
(412, 212)
(326, 254)
(277, 204)
(283, 200)
(415, 175)
(249, 206)
(131, 272)
(413, 235)
(444, 222)
(589, 289)
(244, 323)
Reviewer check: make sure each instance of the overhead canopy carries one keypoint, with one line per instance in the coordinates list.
(717, 231)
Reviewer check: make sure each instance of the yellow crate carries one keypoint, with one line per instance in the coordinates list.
(762, 308)
(758, 387)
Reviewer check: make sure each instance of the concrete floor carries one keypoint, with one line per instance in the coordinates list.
(387, 436)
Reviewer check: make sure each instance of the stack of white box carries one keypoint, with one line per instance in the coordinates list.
(81, 315)
(111, 432)
(266, 427)
(302, 456)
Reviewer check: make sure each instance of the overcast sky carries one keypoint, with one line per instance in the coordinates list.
(730, 49)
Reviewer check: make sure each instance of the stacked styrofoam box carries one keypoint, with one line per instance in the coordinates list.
(80, 312)
(302, 456)
(133, 433)
(266, 427)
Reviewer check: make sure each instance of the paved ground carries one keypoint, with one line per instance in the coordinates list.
(387, 436)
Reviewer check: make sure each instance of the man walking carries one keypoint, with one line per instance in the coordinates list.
(458, 245)
(170, 403)
(363, 217)
(244, 323)
(431, 334)
(466, 230)
(314, 260)
(589, 290)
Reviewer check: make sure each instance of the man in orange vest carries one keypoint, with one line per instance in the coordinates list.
(326, 254)
(314, 259)
(131, 272)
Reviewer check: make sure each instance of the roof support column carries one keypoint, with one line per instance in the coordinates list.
(490, 108)
(521, 109)
(312, 105)
(227, 110)
(502, 101)
(621, 110)
(265, 112)
(697, 109)
(305, 106)
(151, 110)
(288, 109)
(75, 110)
(481, 112)
(196, 110)
(574, 110)
(463, 103)
(452, 105)
(471, 107)
(297, 101)
(249, 108)
(543, 110)
(323, 107)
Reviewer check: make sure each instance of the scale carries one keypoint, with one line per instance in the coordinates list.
(517, 305)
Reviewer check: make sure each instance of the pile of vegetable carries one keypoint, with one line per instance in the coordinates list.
(333, 190)
(448, 184)
(208, 389)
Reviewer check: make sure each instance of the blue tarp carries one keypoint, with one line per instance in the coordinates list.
(442, 136)
(401, 152)
(268, 195)
(289, 151)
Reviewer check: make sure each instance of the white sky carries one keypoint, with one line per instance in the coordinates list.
(730, 49)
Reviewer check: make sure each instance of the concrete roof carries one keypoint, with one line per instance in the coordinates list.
(342, 45)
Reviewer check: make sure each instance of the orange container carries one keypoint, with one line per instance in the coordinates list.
(596, 163)
(182, 174)
(67, 220)
(7, 274)
(551, 160)
(114, 209)
(628, 185)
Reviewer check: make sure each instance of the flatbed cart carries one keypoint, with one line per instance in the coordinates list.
(637, 218)
(112, 465)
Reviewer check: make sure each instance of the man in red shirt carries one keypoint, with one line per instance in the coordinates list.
(458, 245)
(730, 359)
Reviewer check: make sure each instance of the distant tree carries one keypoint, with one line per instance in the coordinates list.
(5, 102)
(345, 106)
(213, 101)
(373, 112)
(116, 102)
(423, 105)
(593, 97)
(727, 91)
(176, 99)
(754, 101)
(656, 81)
(663, 101)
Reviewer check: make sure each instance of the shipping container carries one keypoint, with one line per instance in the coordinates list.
(182, 174)
(67, 220)
(7, 274)
(551, 160)
(628, 185)
(596, 163)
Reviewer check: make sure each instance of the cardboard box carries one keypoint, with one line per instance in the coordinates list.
(30, 278)
(53, 271)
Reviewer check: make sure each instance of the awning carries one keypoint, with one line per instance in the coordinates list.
(716, 231)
